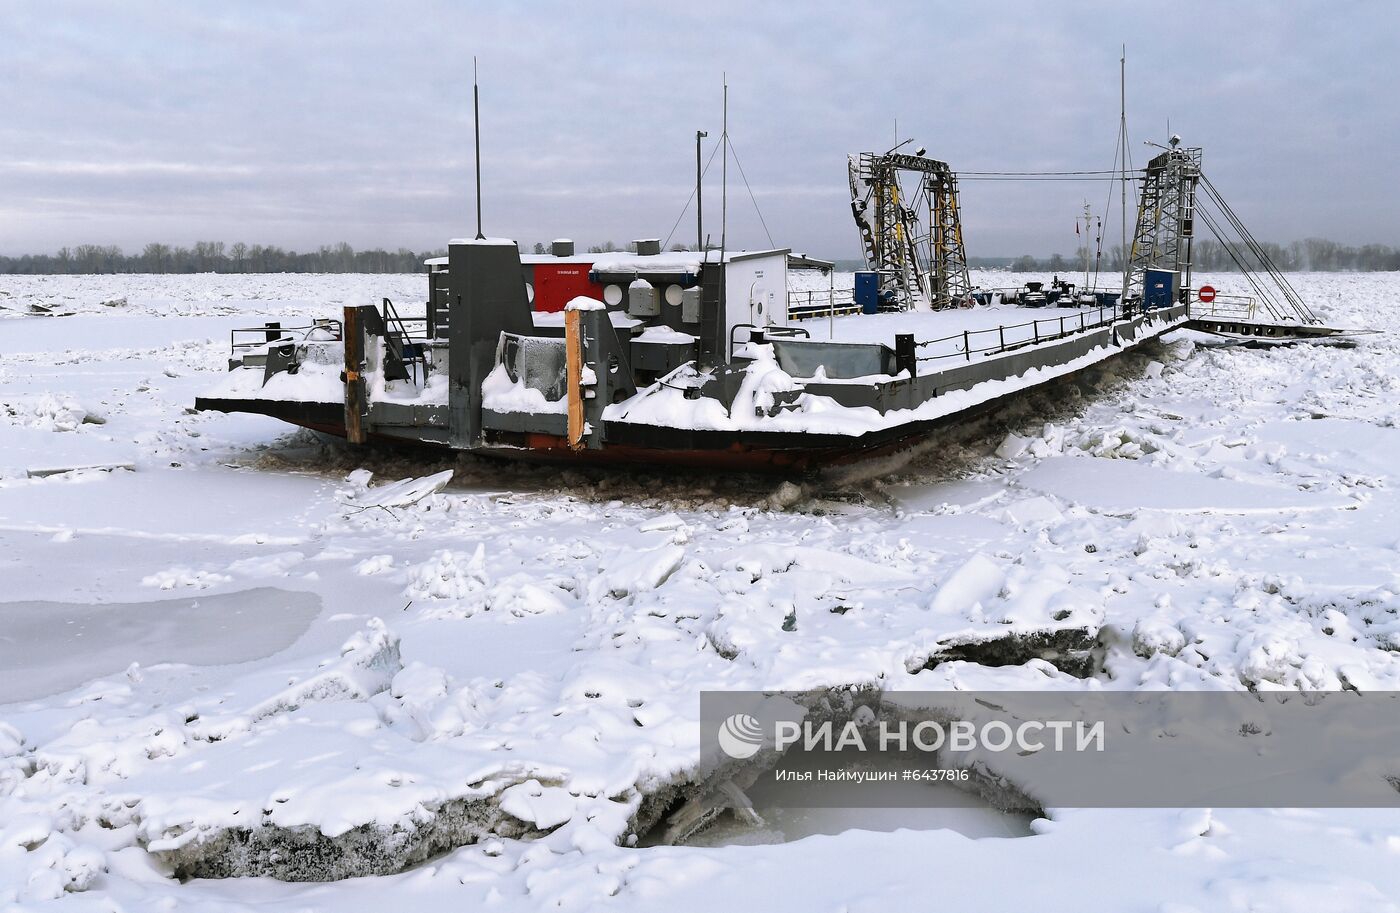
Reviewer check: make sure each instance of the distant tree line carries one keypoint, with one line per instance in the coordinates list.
(217, 257)
(1211, 256)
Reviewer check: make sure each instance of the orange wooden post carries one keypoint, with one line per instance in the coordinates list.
(573, 366)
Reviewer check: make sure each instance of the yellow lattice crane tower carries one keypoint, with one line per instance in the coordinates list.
(917, 265)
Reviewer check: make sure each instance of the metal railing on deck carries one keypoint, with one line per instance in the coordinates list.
(804, 305)
(1238, 307)
(272, 332)
(401, 346)
(1046, 330)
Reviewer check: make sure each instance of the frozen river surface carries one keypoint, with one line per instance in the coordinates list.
(227, 636)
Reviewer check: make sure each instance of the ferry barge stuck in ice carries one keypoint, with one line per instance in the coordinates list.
(690, 357)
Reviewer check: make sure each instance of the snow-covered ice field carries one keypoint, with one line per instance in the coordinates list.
(224, 636)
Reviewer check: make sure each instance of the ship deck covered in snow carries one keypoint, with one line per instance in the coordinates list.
(711, 358)
(675, 357)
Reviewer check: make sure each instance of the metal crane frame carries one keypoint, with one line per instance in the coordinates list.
(1166, 218)
(912, 262)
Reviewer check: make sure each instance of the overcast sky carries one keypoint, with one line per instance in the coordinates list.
(305, 124)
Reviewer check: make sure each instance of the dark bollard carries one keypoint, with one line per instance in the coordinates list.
(904, 357)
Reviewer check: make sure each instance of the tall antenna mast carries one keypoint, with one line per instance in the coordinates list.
(1123, 161)
(724, 173)
(1088, 232)
(476, 127)
(723, 204)
(699, 201)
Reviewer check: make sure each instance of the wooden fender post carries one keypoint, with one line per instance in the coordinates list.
(573, 367)
(354, 339)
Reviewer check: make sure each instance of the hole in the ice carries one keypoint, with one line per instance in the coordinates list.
(787, 825)
(913, 805)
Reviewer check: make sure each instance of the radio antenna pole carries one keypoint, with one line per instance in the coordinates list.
(476, 128)
(1123, 163)
(724, 174)
(699, 199)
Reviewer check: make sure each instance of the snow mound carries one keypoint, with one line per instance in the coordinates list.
(366, 666)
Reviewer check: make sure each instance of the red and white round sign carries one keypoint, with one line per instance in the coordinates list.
(1206, 293)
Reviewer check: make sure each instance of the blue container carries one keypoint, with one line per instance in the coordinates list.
(1159, 288)
(868, 291)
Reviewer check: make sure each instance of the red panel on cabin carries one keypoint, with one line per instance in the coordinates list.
(556, 284)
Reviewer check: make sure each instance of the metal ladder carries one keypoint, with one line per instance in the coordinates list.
(400, 353)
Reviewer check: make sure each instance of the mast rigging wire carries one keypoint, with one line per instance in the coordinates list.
(686, 207)
(1031, 173)
(751, 196)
